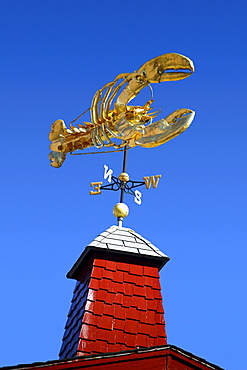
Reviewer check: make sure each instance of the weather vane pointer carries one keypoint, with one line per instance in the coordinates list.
(116, 124)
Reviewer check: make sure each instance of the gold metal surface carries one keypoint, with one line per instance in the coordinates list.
(124, 177)
(96, 186)
(151, 181)
(121, 210)
(112, 117)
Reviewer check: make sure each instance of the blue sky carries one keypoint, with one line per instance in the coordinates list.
(54, 56)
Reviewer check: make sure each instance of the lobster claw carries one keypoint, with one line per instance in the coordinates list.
(167, 67)
(160, 132)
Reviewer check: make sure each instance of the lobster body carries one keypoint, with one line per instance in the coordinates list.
(132, 125)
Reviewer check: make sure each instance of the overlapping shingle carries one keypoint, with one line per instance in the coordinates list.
(117, 303)
(126, 240)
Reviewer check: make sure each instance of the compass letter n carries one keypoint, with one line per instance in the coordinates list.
(107, 173)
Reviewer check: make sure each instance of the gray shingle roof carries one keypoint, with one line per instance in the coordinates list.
(121, 241)
(126, 240)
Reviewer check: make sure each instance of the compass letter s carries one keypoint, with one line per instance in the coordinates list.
(138, 196)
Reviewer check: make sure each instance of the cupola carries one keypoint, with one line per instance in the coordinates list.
(117, 302)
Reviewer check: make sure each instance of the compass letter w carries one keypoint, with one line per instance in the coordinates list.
(151, 181)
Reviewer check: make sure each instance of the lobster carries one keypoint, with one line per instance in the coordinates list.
(112, 118)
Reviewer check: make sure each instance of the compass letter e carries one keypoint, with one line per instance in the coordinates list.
(96, 186)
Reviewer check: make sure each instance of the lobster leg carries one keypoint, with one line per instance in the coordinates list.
(96, 100)
(102, 113)
(96, 107)
(101, 118)
(106, 101)
(99, 115)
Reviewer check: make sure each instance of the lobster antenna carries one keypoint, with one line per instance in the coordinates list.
(90, 108)
(80, 116)
(151, 91)
(104, 152)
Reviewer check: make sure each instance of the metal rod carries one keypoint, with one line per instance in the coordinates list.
(124, 170)
(125, 158)
(120, 219)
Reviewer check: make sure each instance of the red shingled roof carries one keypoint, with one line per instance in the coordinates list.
(117, 304)
(159, 358)
(118, 307)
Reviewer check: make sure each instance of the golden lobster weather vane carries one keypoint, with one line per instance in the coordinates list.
(116, 124)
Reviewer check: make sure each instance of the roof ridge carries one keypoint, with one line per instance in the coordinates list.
(124, 239)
